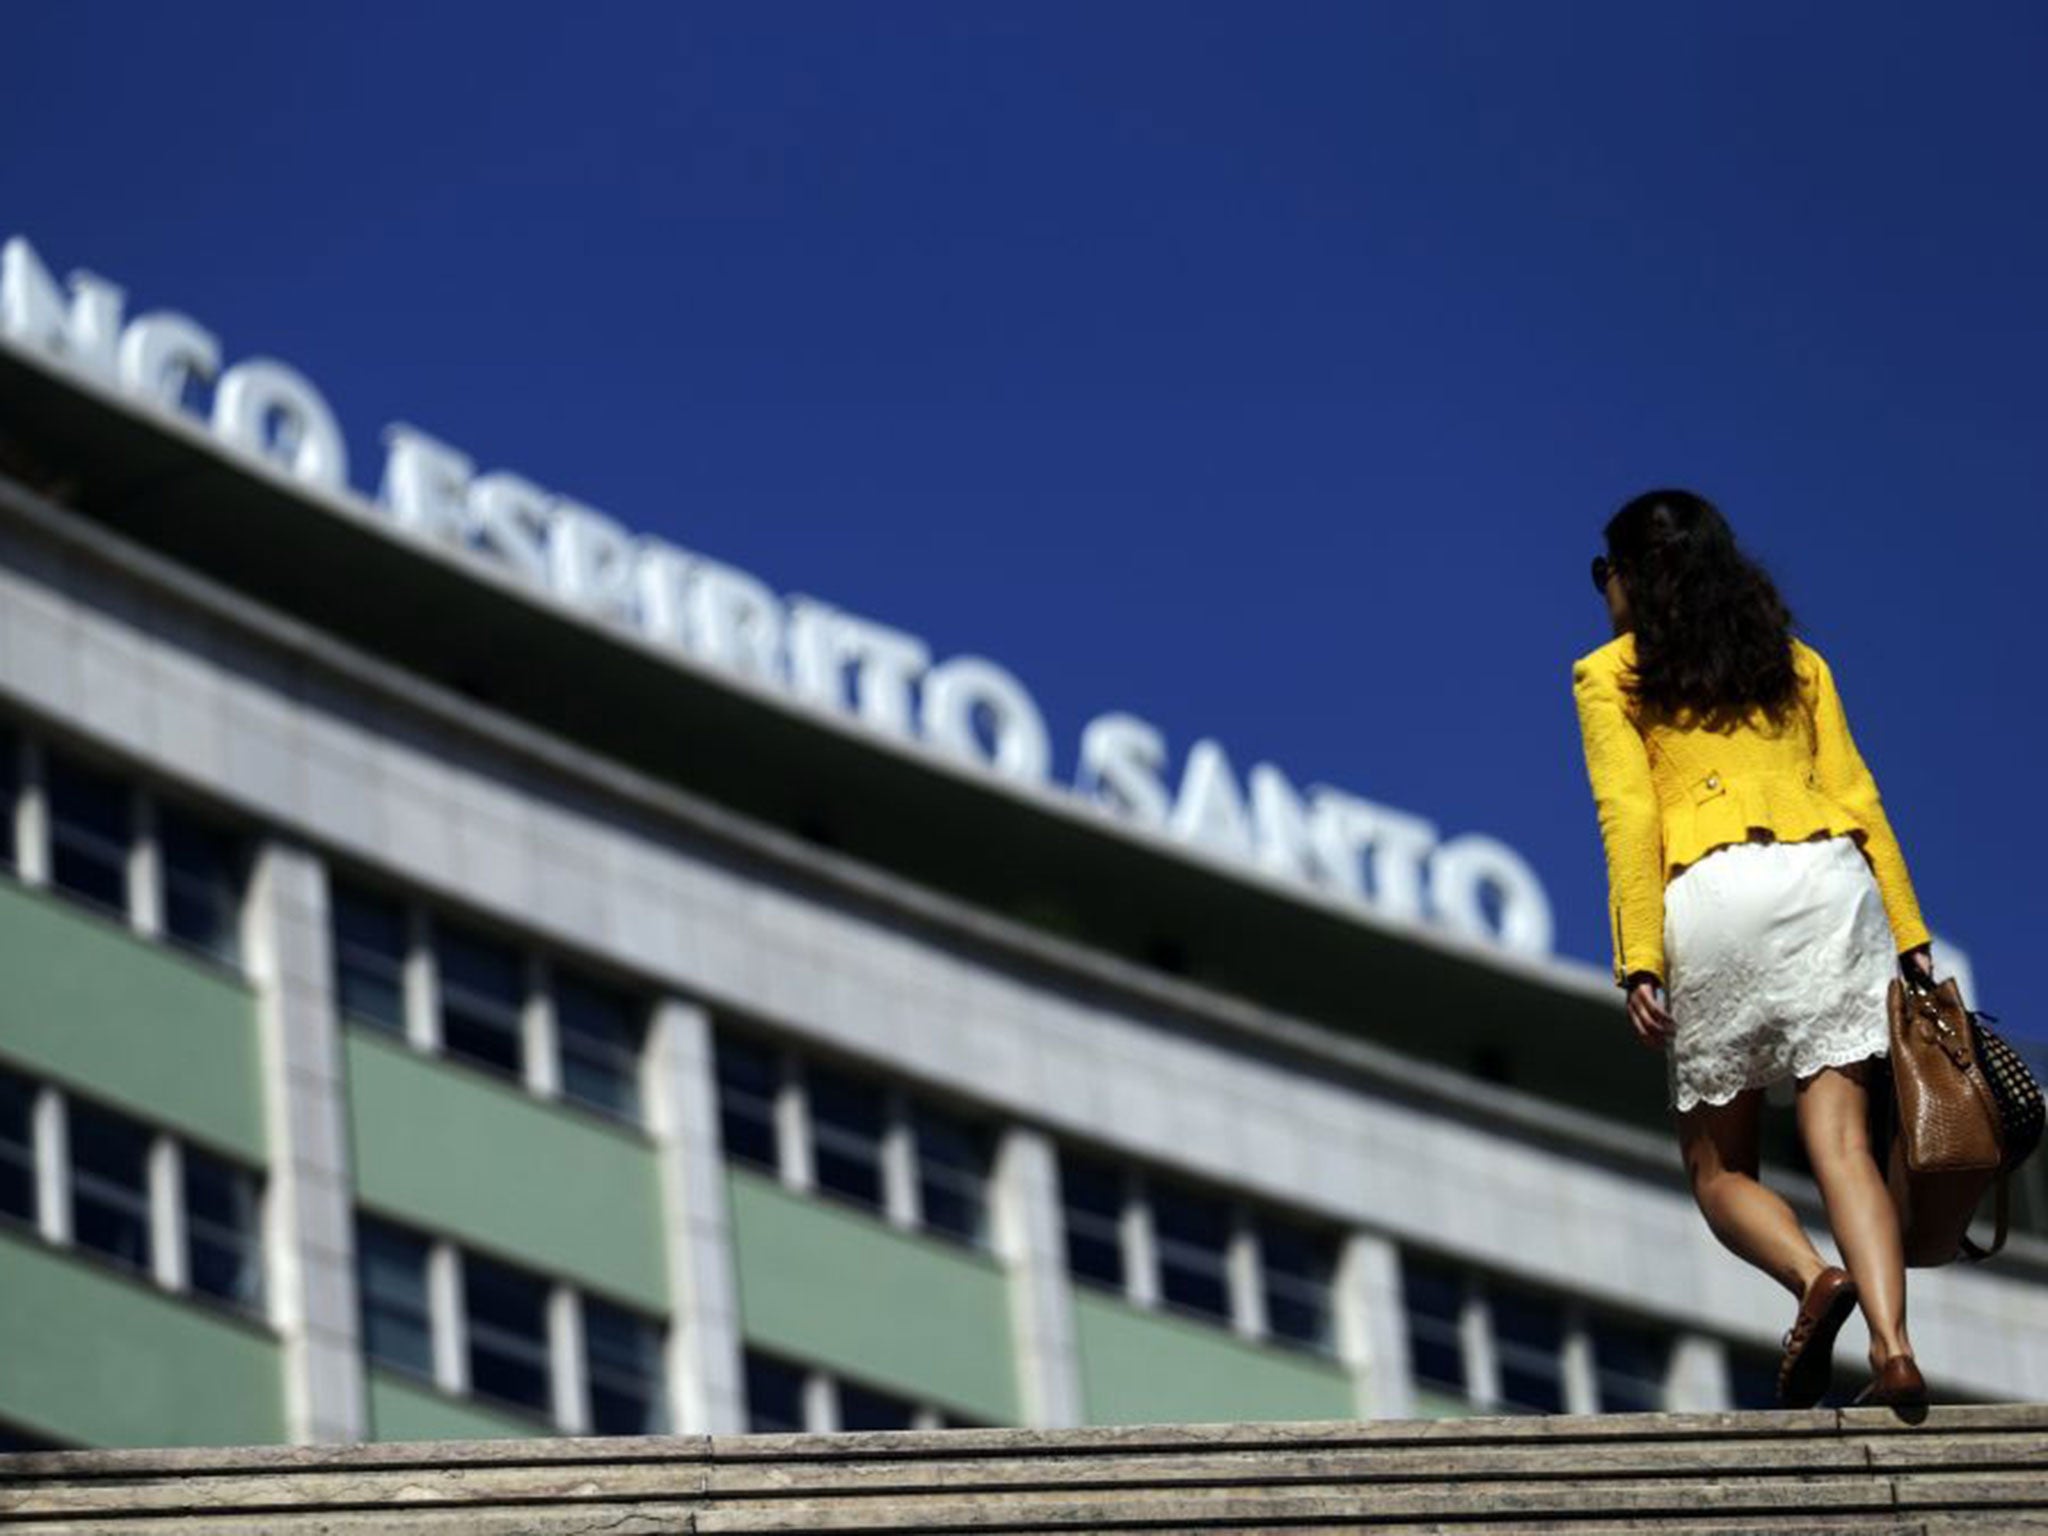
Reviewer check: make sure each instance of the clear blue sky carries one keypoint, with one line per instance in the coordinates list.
(1264, 370)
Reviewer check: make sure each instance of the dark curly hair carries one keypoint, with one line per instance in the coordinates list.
(1713, 636)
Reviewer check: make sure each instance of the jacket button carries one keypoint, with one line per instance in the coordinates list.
(1713, 781)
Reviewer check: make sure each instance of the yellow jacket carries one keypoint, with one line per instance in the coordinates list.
(1668, 794)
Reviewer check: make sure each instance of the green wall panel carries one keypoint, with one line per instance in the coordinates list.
(450, 1149)
(1140, 1367)
(97, 1358)
(404, 1409)
(834, 1287)
(94, 1007)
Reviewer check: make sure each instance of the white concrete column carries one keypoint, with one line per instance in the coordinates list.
(1475, 1333)
(900, 1202)
(793, 1122)
(422, 981)
(309, 1239)
(448, 1316)
(1581, 1386)
(145, 867)
(568, 1361)
(1698, 1382)
(707, 1384)
(1029, 1239)
(52, 1128)
(167, 1211)
(1243, 1275)
(821, 1403)
(1372, 1326)
(31, 815)
(539, 1054)
(1141, 1251)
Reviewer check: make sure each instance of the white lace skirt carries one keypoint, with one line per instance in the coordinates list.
(1777, 959)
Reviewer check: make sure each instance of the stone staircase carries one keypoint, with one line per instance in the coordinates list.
(1980, 1469)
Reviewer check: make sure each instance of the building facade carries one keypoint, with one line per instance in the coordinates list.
(432, 1016)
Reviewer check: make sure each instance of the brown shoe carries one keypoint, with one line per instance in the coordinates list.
(1898, 1383)
(1808, 1363)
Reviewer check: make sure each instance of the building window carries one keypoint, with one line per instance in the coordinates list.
(507, 1310)
(1297, 1267)
(749, 1078)
(10, 794)
(1528, 1342)
(600, 1031)
(223, 1243)
(369, 958)
(110, 1185)
(1192, 1235)
(623, 1355)
(203, 872)
(864, 1408)
(1753, 1380)
(1092, 1199)
(954, 1157)
(1433, 1295)
(17, 1148)
(775, 1395)
(1631, 1365)
(847, 1119)
(483, 994)
(13, 1440)
(391, 1276)
(782, 1397)
(92, 826)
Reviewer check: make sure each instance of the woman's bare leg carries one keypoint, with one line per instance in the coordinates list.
(1833, 1103)
(1719, 1142)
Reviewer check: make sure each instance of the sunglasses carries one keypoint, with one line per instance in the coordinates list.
(1602, 569)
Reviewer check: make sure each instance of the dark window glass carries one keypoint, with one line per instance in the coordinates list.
(1528, 1341)
(1753, 1380)
(622, 1351)
(483, 990)
(953, 1159)
(600, 1031)
(13, 1440)
(203, 871)
(865, 1408)
(1629, 1365)
(748, 1077)
(847, 1116)
(369, 958)
(10, 793)
(91, 829)
(223, 1244)
(110, 1185)
(775, 1395)
(391, 1274)
(1092, 1199)
(1433, 1297)
(508, 1333)
(17, 1148)
(1192, 1234)
(1297, 1267)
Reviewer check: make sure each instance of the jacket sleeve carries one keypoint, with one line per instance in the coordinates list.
(1846, 779)
(1631, 822)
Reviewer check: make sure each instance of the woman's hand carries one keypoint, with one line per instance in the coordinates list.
(1646, 1015)
(1919, 958)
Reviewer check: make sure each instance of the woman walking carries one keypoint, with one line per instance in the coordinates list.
(1758, 903)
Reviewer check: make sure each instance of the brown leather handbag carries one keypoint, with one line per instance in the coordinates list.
(1946, 1131)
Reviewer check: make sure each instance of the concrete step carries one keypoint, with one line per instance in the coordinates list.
(1975, 1468)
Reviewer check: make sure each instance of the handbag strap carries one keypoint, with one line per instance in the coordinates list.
(1970, 1250)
